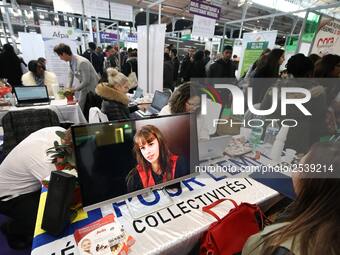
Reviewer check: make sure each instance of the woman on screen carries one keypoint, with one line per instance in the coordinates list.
(156, 164)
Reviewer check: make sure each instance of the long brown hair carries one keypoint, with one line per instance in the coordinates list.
(315, 215)
(181, 96)
(146, 135)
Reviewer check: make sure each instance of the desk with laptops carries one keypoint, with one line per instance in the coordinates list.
(104, 160)
(29, 97)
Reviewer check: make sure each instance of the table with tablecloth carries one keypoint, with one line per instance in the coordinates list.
(174, 229)
(66, 113)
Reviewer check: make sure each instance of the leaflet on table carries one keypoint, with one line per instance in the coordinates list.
(103, 237)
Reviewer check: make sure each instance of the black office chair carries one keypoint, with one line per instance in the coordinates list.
(18, 125)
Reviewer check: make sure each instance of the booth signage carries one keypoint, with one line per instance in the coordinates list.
(327, 39)
(106, 37)
(205, 10)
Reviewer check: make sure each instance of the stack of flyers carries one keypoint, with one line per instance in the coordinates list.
(103, 237)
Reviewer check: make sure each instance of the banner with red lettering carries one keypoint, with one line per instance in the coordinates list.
(327, 39)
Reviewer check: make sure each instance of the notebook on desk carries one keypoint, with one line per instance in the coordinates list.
(31, 95)
(159, 100)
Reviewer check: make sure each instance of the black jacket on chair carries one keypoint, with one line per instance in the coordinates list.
(18, 125)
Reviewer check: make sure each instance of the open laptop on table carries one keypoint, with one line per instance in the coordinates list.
(159, 100)
(213, 148)
(31, 96)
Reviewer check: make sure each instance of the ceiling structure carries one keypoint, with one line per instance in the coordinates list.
(230, 10)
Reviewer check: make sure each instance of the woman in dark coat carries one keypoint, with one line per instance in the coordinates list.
(113, 92)
(10, 66)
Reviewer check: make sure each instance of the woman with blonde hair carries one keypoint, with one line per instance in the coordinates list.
(156, 164)
(112, 89)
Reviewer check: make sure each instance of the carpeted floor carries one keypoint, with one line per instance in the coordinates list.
(4, 248)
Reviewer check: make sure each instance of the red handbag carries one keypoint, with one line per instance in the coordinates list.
(228, 235)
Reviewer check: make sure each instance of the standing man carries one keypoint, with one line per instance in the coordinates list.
(175, 62)
(223, 68)
(187, 64)
(111, 57)
(80, 68)
(91, 55)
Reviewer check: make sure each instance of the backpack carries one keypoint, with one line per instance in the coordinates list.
(228, 235)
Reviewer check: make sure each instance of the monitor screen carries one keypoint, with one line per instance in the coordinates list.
(116, 160)
(31, 93)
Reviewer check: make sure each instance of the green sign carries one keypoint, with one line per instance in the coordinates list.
(227, 42)
(291, 43)
(186, 37)
(252, 53)
(311, 27)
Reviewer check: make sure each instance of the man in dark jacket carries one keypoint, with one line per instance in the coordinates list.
(168, 73)
(91, 55)
(175, 62)
(187, 64)
(223, 68)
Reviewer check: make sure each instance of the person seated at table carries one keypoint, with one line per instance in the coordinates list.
(310, 225)
(21, 173)
(38, 76)
(155, 162)
(184, 99)
(112, 89)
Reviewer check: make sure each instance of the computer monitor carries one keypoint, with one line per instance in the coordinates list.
(117, 160)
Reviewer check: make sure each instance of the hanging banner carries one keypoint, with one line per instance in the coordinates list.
(70, 6)
(291, 43)
(98, 8)
(52, 36)
(253, 45)
(312, 23)
(327, 39)
(121, 12)
(203, 27)
(156, 60)
(205, 10)
(106, 37)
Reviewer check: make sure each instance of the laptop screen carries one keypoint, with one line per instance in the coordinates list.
(31, 93)
(159, 100)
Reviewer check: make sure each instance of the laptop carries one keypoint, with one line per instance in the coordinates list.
(31, 95)
(138, 93)
(159, 100)
(213, 148)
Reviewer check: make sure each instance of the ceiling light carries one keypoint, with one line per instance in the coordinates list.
(127, 23)
(141, 9)
(183, 18)
(257, 21)
(216, 24)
